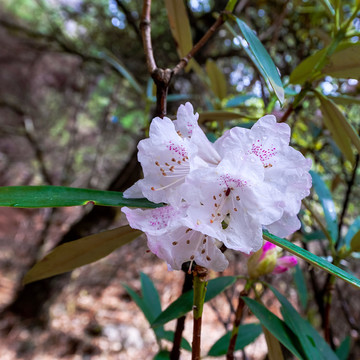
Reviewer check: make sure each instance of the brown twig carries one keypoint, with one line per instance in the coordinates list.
(237, 322)
(185, 60)
(180, 325)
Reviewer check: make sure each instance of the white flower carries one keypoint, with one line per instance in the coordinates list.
(230, 190)
(164, 156)
(170, 238)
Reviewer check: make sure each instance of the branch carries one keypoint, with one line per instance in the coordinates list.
(145, 27)
(130, 19)
(185, 60)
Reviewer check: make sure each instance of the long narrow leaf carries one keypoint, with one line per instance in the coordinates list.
(58, 196)
(312, 259)
(277, 327)
(327, 204)
(246, 335)
(86, 250)
(313, 344)
(263, 60)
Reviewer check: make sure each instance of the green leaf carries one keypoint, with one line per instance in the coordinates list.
(353, 229)
(184, 303)
(277, 327)
(217, 79)
(180, 26)
(344, 63)
(327, 204)
(343, 350)
(238, 100)
(315, 347)
(300, 283)
(312, 259)
(169, 336)
(151, 295)
(246, 335)
(117, 65)
(262, 59)
(355, 242)
(86, 250)
(57, 196)
(341, 130)
(305, 70)
(162, 355)
(344, 99)
(219, 116)
(140, 302)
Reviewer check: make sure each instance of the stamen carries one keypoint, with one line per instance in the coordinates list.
(192, 257)
(208, 258)
(188, 230)
(204, 241)
(235, 209)
(157, 163)
(174, 243)
(237, 197)
(203, 251)
(188, 242)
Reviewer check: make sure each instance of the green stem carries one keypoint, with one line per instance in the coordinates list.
(200, 282)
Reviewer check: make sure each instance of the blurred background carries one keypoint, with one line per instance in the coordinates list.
(76, 97)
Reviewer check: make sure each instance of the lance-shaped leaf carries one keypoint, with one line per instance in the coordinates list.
(355, 242)
(327, 204)
(341, 130)
(217, 79)
(58, 196)
(353, 230)
(117, 65)
(300, 284)
(305, 70)
(274, 347)
(247, 334)
(312, 259)
(315, 347)
(277, 327)
(344, 99)
(344, 348)
(261, 59)
(180, 26)
(344, 63)
(86, 250)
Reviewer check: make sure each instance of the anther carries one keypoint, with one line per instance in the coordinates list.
(173, 159)
(153, 189)
(204, 241)
(192, 257)
(174, 243)
(157, 163)
(203, 251)
(214, 197)
(235, 209)
(188, 242)
(167, 164)
(208, 258)
(187, 230)
(237, 197)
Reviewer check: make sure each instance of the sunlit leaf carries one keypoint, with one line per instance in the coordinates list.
(262, 59)
(312, 259)
(341, 130)
(184, 303)
(327, 204)
(246, 335)
(74, 254)
(58, 196)
(277, 327)
(238, 100)
(180, 26)
(217, 79)
(315, 347)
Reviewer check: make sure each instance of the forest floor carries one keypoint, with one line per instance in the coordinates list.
(94, 317)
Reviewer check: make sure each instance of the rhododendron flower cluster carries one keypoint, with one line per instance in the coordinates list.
(227, 191)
